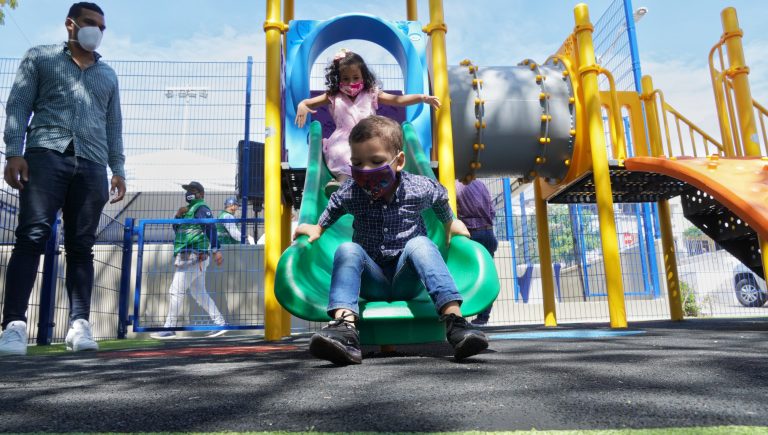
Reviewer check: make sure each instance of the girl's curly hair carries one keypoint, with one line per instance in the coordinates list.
(333, 73)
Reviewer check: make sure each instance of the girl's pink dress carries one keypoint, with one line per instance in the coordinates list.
(346, 114)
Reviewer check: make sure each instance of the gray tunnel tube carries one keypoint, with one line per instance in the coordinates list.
(512, 112)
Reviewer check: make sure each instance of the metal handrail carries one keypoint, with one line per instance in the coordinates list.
(722, 99)
(667, 109)
(618, 139)
(692, 128)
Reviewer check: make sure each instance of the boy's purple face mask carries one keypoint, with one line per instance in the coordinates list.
(376, 182)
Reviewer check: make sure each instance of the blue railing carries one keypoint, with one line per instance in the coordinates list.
(234, 289)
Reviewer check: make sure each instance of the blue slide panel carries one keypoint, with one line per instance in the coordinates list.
(308, 39)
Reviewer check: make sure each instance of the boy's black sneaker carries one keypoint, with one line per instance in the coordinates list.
(465, 340)
(338, 342)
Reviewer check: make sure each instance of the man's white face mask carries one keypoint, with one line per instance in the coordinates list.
(88, 37)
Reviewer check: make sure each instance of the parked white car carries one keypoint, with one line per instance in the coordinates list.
(750, 288)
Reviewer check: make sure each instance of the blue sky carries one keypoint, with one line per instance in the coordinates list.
(674, 37)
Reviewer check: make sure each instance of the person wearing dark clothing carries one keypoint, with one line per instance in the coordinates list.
(475, 208)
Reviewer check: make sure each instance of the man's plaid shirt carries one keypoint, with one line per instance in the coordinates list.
(382, 228)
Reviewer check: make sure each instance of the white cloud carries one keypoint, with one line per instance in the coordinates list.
(229, 45)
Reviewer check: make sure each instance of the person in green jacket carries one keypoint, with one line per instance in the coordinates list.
(229, 233)
(193, 246)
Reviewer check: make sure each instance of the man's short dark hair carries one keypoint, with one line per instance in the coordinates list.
(378, 126)
(77, 9)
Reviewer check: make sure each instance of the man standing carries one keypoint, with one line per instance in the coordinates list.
(74, 134)
(475, 208)
(192, 248)
(229, 233)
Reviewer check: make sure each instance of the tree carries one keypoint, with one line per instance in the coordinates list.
(3, 3)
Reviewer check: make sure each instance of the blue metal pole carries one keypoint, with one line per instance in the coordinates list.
(644, 250)
(125, 279)
(651, 242)
(656, 227)
(583, 250)
(646, 247)
(510, 224)
(245, 181)
(47, 307)
(137, 287)
(633, 49)
(524, 224)
(650, 214)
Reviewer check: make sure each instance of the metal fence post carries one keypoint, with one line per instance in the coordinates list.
(510, 227)
(650, 213)
(47, 307)
(524, 223)
(583, 259)
(246, 180)
(125, 279)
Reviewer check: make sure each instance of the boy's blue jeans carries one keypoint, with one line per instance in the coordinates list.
(356, 275)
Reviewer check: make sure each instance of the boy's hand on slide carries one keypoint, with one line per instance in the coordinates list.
(457, 228)
(301, 114)
(312, 231)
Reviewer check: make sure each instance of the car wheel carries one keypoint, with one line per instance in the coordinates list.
(748, 293)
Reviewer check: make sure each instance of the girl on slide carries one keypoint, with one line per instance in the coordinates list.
(353, 93)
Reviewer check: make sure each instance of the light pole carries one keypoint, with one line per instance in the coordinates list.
(187, 94)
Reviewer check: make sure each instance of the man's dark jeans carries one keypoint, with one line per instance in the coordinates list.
(487, 238)
(80, 189)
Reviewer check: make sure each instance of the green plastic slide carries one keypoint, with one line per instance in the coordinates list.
(304, 271)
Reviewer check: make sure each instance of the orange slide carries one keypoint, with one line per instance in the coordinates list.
(739, 184)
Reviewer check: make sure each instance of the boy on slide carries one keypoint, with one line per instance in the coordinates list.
(389, 244)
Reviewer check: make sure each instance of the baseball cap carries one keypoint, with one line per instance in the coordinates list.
(230, 201)
(193, 185)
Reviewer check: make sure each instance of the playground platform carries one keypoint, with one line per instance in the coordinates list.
(696, 373)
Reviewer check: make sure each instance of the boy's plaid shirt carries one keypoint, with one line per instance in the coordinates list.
(382, 228)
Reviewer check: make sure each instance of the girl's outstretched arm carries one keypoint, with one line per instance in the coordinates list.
(308, 106)
(409, 99)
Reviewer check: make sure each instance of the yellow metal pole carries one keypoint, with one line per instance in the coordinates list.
(652, 117)
(285, 210)
(617, 125)
(437, 29)
(764, 252)
(665, 219)
(722, 109)
(739, 72)
(288, 11)
(272, 147)
(285, 239)
(413, 10)
(609, 240)
(545, 257)
(670, 262)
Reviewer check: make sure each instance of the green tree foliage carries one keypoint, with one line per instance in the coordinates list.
(561, 233)
(692, 233)
(691, 307)
(9, 3)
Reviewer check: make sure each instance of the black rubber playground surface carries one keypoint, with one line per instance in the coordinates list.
(696, 373)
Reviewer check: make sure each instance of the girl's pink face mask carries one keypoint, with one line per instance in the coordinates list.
(351, 89)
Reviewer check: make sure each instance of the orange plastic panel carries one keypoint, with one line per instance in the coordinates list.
(740, 184)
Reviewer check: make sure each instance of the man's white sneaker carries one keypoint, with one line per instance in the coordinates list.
(80, 337)
(163, 335)
(13, 341)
